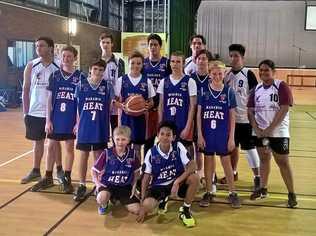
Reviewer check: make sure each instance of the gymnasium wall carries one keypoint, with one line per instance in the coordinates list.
(17, 23)
(268, 29)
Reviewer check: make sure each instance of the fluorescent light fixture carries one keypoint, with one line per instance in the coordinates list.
(72, 26)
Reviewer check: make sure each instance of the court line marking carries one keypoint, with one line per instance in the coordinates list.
(51, 229)
(16, 158)
(15, 198)
(313, 117)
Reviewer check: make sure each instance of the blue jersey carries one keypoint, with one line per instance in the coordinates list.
(137, 124)
(155, 72)
(201, 82)
(94, 111)
(116, 170)
(215, 118)
(64, 104)
(165, 170)
(176, 102)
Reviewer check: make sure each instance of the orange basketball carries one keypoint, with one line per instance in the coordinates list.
(135, 105)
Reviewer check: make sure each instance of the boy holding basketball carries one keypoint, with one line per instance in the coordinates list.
(178, 99)
(94, 97)
(134, 83)
(115, 173)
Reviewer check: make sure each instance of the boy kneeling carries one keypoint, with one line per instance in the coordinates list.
(115, 173)
(168, 166)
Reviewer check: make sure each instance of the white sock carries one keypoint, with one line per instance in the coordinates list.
(253, 158)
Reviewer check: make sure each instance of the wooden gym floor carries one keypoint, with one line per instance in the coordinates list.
(26, 213)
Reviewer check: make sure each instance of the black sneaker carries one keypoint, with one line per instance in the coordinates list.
(32, 176)
(234, 200)
(44, 183)
(259, 193)
(291, 203)
(66, 185)
(163, 206)
(206, 200)
(80, 193)
(256, 181)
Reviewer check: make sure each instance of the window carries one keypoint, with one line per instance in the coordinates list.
(19, 53)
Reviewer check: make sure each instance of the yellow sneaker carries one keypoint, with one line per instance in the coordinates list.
(186, 217)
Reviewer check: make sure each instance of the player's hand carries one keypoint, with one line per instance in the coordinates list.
(148, 105)
(141, 215)
(231, 145)
(184, 134)
(201, 142)
(267, 132)
(174, 189)
(48, 127)
(258, 132)
(133, 191)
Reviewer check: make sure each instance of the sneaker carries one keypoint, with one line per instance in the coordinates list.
(44, 183)
(206, 200)
(80, 193)
(32, 176)
(163, 206)
(186, 217)
(256, 181)
(259, 193)
(103, 209)
(234, 200)
(224, 181)
(60, 175)
(291, 203)
(66, 185)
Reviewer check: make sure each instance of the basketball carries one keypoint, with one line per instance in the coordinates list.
(135, 105)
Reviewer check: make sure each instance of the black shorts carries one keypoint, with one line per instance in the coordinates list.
(120, 193)
(87, 147)
(35, 127)
(162, 191)
(243, 136)
(278, 145)
(61, 137)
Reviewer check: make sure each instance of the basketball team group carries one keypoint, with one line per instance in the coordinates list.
(154, 131)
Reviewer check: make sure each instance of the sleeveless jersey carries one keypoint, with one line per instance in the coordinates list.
(64, 112)
(176, 102)
(215, 119)
(38, 91)
(94, 112)
(165, 170)
(137, 124)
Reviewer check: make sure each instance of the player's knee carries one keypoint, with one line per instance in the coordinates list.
(102, 197)
(193, 179)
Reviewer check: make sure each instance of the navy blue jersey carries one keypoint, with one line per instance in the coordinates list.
(215, 107)
(94, 111)
(157, 71)
(201, 82)
(176, 102)
(165, 170)
(137, 124)
(116, 170)
(64, 104)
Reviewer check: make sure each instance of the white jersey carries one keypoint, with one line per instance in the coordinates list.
(239, 82)
(38, 90)
(266, 101)
(189, 66)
